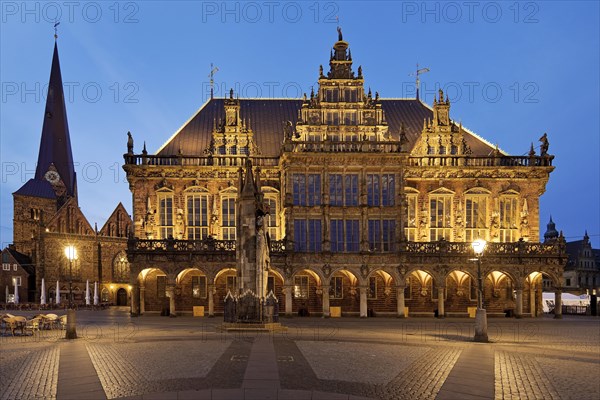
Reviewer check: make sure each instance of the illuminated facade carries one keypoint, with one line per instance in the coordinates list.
(47, 218)
(373, 205)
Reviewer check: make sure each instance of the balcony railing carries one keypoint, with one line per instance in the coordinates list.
(194, 161)
(492, 248)
(441, 247)
(208, 245)
(480, 161)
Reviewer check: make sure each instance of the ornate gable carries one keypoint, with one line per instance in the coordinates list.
(440, 136)
(70, 219)
(232, 136)
(118, 224)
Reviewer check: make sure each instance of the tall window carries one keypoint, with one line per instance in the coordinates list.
(314, 235)
(336, 290)
(306, 189)
(336, 190)
(165, 214)
(387, 189)
(343, 189)
(199, 287)
(351, 190)
(314, 190)
(336, 233)
(344, 235)
(380, 190)
(374, 235)
(272, 218)
(382, 234)
(307, 235)
(373, 190)
(350, 118)
(388, 234)
(301, 286)
(121, 268)
(476, 211)
(228, 218)
(332, 118)
(299, 189)
(440, 217)
(508, 219)
(411, 223)
(197, 216)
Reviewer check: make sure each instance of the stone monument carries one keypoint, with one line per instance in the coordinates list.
(252, 306)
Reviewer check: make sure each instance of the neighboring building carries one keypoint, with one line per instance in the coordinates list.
(16, 269)
(373, 205)
(582, 272)
(47, 218)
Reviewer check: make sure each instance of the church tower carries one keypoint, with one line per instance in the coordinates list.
(54, 183)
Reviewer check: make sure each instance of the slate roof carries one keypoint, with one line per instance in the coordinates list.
(22, 259)
(266, 117)
(55, 144)
(37, 188)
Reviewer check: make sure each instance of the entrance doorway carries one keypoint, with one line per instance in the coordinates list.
(121, 297)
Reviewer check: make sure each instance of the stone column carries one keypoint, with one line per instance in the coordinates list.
(519, 310)
(211, 300)
(441, 311)
(400, 301)
(135, 300)
(363, 301)
(532, 301)
(558, 304)
(171, 296)
(142, 299)
(288, 300)
(325, 300)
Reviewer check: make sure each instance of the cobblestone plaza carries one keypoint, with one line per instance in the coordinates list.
(153, 357)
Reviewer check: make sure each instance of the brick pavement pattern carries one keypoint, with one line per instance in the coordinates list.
(29, 373)
(188, 358)
(129, 369)
(367, 363)
(518, 376)
(424, 378)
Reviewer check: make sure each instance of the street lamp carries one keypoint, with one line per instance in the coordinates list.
(71, 254)
(480, 316)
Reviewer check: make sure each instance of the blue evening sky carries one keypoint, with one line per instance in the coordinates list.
(513, 70)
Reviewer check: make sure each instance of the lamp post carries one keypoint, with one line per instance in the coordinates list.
(71, 333)
(480, 316)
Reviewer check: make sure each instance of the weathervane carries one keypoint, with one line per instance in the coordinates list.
(418, 80)
(213, 71)
(56, 24)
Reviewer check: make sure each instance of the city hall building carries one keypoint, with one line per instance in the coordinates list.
(372, 207)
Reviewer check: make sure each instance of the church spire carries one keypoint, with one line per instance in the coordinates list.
(55, 145)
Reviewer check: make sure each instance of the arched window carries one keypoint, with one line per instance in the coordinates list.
(104, 296)
(120, 268)
(197, 214)
(508, 215)
(440, 215)
(476, 214)
(165, 214)
(411, 222)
